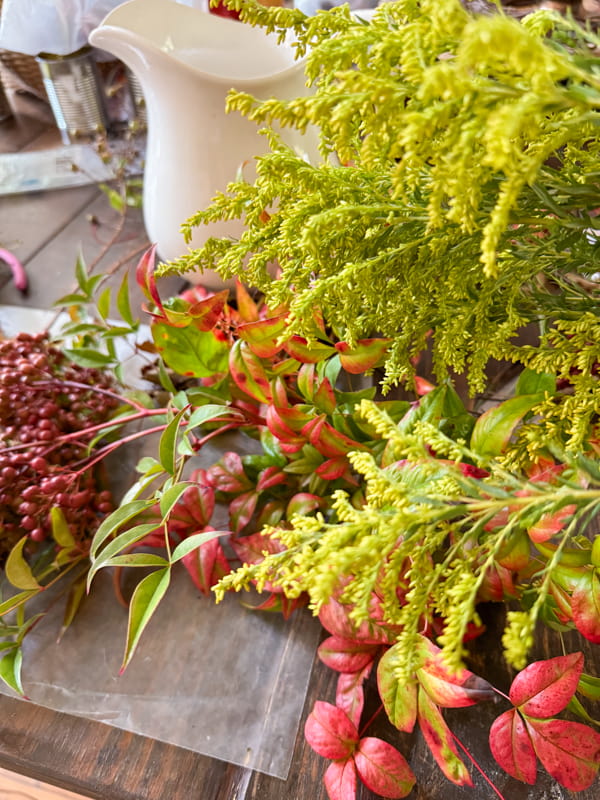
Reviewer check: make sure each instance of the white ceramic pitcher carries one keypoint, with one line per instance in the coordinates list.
(186, 61)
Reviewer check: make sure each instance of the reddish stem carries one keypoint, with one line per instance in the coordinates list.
(476, 765)
(370, 720)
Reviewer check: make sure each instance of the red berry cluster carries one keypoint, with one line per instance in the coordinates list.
(46, 405)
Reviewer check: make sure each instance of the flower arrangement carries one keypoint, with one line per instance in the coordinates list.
(454, 206)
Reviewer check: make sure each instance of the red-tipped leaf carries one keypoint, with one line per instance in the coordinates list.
(585, 606)
(329, 732)
(383, 769)
(440, 741)
(367, 354)
(569, 751)
(511, 746)
(544, 688)
(399, 699)
(346, 655)
(340, 780)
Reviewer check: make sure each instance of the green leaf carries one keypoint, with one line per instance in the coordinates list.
(10, 669)
(123, 304)
(114, 521)
(190, 352)
(164, 378)
(531, 382)
(193, 542)
(494, 428)
(399, 699)
(116, 200)
(60, 530)
(144, 602)
(16, 600)
(209, 412)
(169, 498)
(81, 275)
(137, 560)
(88, 357)
(118, 544)
(71, 299)
(74, 599)
(103, 303)
(167, 443)
(17, 570)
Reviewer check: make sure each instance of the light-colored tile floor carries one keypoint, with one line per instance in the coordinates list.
(18, 787)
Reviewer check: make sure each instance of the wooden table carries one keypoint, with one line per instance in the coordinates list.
(46, 230)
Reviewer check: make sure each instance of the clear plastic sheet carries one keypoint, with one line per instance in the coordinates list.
(222, 680)
(217, 679)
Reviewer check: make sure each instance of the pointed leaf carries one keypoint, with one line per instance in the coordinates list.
(440, 741)
(166, 445)
(169, 499)
(350, 694)
(241, 510)
(446, 688)
(123, 304)
(324, 397)
(544, 688)
(144, 602)
(299, 348)
(334, 617)
(585, 606)
(248, 372)
(366, 355)
(144, 275)
(511, 746)
(494, 428)
(189, 544)
(329, 732)
(569, 751)
(346, 655)
(383, 769)
(117, 519)
(206, 565)
(74, 599)
(399, 699)
(340, 780)
(10, 669)
(263, 335)
(61, 533)
(17, 570)
(247, 308)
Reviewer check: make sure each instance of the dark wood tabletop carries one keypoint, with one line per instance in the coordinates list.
(46, 230)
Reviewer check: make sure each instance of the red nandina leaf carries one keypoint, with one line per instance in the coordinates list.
(366, 355)
(550, 524)
(247, 308)
(306, 381)
(280, 429)
(496, 585)
(399, 699)
(207, 564)
(446, 688)
(297, 347)
(270, 514)
(262, 336)
(280, 604)
(330, 732)
(269, 477)
(346, 655)
(293, 417)
(241, 510)
(251, 549)
(383, 769)
(324, 398)
(422, 386)
(303, 503)
(199, 502)
(329, 442)
(334, 617)
(570, 751)
(585, 606)
(350, 694)
(440, 741)
(340, 780)
(248, 372)
(207, 312)
(144, 275)
(517, 553)
(333, 468)
(228, 475)
(512, 748)
(544, 688)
